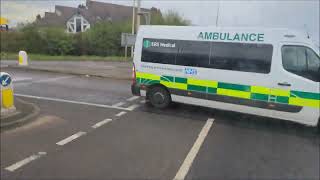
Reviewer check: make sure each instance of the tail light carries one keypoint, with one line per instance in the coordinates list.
(134, 74)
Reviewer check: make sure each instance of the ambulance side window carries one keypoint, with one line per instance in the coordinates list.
(301, 61)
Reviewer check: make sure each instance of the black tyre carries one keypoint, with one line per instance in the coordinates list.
(159, 97)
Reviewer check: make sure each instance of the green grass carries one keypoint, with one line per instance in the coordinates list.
(42, 57)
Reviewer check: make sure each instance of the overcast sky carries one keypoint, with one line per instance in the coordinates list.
(296, 14)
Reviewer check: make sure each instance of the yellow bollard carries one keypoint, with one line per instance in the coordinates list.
(7, 98)
(23, 58)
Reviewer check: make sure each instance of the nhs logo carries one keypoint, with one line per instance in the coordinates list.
(190, 71)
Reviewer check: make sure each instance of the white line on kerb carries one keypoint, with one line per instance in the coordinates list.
(73, 102)
(101, 123)
(25, 161)
(181, 174)
(131, 108)
(118, 104)
(70, 138)
(133, 98)
(121, 113)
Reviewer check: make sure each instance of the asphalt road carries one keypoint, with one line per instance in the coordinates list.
(92, 128)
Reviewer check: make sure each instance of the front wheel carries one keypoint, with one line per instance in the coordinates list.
(159, 97)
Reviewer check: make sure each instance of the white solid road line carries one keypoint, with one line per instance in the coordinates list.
(25, 161)
(70, 138)
(181, 174)
(73, 102)
(121, 113)
(118, 104)
(101, 123)
(133, 98)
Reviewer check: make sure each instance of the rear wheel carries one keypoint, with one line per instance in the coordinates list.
(159, 97)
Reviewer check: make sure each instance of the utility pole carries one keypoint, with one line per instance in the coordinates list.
(217, 18)
(138, 18)
(133, 22)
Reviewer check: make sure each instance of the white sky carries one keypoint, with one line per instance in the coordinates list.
(296, 14)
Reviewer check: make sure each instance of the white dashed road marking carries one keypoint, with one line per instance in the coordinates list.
(133, 98)
(101, 123)
(118, 104)
(70, 138)
(70, 101)
(181, 174)
(121, 113)
(25, 161)
(132, 107)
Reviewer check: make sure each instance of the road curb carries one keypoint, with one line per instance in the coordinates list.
(20, 118)
(71, 72)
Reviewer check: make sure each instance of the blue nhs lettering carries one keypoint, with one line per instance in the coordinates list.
(190, 71)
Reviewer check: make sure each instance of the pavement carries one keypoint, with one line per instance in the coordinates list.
(93, 128)
(108, 69)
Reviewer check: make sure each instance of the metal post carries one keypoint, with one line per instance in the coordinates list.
(138, 18)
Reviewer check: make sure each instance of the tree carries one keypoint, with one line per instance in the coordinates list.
(171, 17)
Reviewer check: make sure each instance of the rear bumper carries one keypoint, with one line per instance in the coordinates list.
(135, 89)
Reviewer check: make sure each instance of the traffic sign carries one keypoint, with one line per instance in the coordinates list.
(5, 79)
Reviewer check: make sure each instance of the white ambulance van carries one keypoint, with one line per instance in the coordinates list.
(266, 72)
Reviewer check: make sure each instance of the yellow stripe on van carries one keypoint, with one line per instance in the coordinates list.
(234, 93)
(280, 92)
(205, 83)
(304, 102)
(147, 76)
(181, 86)
(260, 90)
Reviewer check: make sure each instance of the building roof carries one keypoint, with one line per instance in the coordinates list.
(93, 11)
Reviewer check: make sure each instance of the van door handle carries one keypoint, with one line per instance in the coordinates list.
(284, 84)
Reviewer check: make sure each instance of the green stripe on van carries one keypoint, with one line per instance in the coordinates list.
(258, 96)
(167, 78)
(197, 88)
(282, 99)
(236, 87)
(306, 95)
(180, 80)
